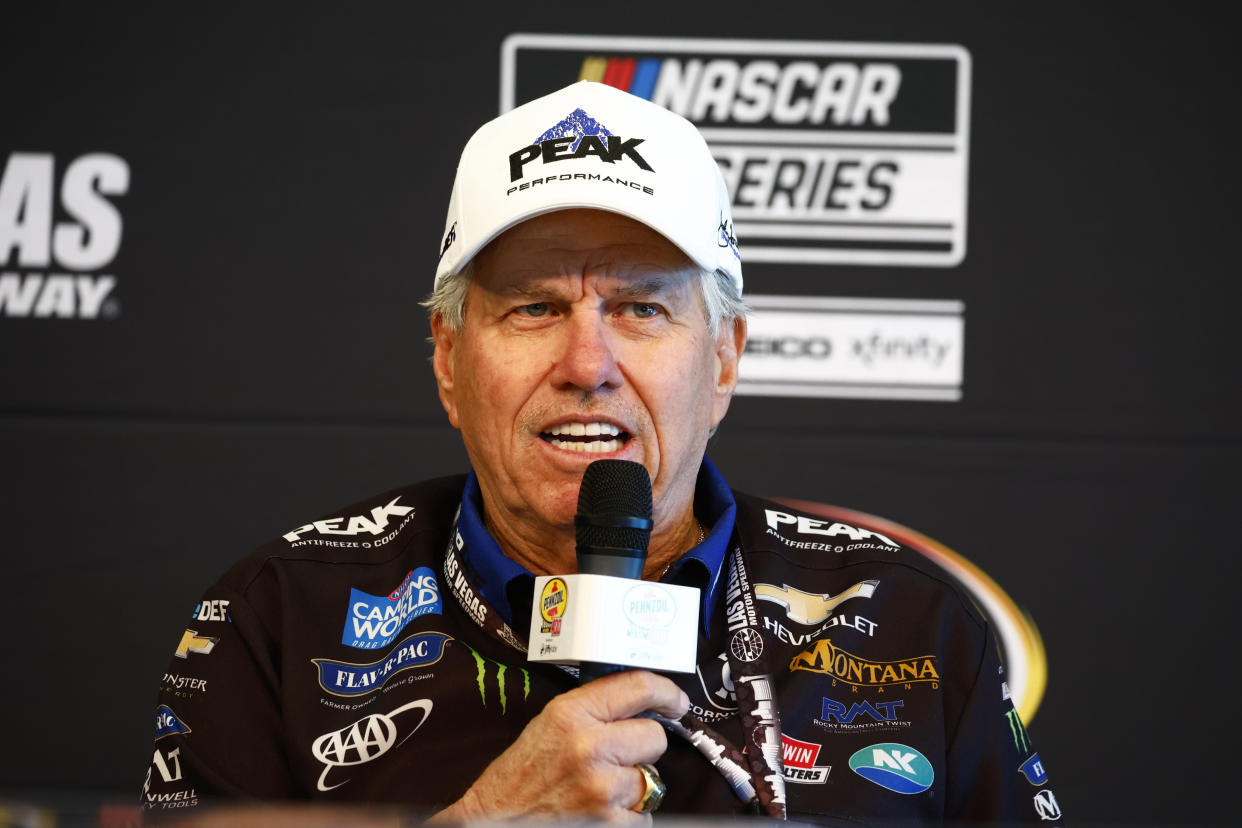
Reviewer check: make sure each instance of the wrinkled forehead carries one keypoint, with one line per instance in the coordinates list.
(614, 252)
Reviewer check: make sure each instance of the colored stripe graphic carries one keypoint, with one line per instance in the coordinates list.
(619, 73)
(645, 76)
(1026, 662)
(638, 77)
(593, 69)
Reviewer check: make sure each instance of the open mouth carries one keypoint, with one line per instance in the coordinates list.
(592, 438)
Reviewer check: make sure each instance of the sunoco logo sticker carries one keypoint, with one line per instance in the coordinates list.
(900, 768)
(834, 153)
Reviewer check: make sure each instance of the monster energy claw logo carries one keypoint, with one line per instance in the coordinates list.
(1021, 741)
(481, 663)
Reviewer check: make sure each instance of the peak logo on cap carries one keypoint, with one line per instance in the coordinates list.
(577, 135)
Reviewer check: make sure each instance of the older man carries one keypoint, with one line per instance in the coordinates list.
(587, 306)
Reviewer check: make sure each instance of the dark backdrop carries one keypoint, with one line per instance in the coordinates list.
(261, 357)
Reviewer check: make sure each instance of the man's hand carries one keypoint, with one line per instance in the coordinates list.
(578, 755)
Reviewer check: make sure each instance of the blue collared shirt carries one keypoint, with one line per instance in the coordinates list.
(505, 582)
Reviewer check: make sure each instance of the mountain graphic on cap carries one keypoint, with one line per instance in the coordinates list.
(575, 123)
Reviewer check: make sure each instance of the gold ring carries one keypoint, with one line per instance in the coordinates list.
(653, 789)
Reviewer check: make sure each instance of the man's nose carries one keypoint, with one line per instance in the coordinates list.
(588, 360)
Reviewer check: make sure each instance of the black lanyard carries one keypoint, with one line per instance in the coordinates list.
(756, 776)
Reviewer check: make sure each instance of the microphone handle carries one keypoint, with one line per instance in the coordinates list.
(620, 563)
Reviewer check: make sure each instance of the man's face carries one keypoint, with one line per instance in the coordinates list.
(584, 338)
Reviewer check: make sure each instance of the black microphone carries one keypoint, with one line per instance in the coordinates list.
(612, 529)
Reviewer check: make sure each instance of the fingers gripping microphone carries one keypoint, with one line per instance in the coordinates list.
(612, 529)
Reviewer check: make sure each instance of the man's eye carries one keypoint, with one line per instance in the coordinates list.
(642, 310)
(534, 309)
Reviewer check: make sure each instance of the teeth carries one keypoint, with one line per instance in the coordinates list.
(592, 447)
(585, 429)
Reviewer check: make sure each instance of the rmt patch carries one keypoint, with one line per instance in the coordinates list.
(577, 136)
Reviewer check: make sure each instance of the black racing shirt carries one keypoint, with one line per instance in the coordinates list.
(336, 663)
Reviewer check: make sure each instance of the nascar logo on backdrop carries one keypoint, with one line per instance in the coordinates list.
(834, 154)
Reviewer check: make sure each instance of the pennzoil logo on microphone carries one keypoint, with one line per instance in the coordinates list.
(851, 153)
(553, 601)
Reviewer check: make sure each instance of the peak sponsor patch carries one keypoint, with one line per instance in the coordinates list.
(343, 678)
(373, 524)
(374, 621)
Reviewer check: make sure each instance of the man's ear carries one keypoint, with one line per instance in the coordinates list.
(730, 343)
(445, 339)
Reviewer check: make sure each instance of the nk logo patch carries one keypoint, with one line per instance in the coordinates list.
(899, 768)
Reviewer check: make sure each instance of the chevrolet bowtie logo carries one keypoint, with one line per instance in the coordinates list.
(811, 607)
(192, 642)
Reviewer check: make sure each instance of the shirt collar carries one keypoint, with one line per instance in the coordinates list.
(701, 566)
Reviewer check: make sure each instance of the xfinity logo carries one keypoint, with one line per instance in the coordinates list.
(32, 242)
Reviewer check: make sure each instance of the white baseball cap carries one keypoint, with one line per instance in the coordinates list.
(591, 145)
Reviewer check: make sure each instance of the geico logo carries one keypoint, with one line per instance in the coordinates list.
(376, 523)
(558, 149)
(810, 526)
(27, 209)
(364, 740)
(214, 610)
(815, 347)
(800, 91)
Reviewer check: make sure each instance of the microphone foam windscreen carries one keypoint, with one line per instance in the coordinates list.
(612, 489)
